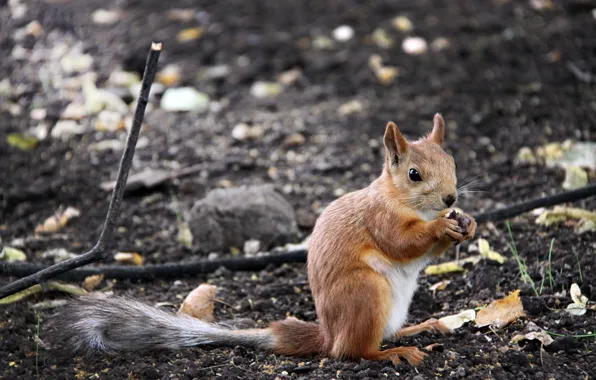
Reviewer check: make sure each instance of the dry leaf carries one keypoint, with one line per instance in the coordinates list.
(542, 336)
(133, 258)
(580, 302)
(456, 321)
(10, 254)
(501, 312)
(199, 303)
(57, 221)
(487, 252)
(92, 282)
(586, 219)
(184, 235)
(441, 285)
(66, 288)
(451, 266)
(189, 34)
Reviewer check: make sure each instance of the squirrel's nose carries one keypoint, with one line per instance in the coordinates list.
(449, 199)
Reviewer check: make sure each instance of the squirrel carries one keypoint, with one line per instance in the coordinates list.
(364, 257)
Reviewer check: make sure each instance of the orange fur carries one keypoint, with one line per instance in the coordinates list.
(381, 226)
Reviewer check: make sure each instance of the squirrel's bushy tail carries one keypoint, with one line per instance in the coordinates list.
(116, 324)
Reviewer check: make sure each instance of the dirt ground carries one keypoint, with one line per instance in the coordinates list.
(502, 83)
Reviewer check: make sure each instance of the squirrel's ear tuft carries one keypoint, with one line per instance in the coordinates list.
(438, 133)
(396, 144)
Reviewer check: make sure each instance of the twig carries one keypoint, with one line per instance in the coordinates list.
(180, 269)
(99, 251)
(580, 75)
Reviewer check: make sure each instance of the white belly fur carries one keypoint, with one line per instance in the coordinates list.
(404, 281)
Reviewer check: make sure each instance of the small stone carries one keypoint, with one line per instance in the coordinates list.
(184, 99)
(439, 44)
(5, 87)
(112, 144)
(106, 17)
(227, 218)
(33, 28)
(76, 63)
(64, 129)
(169, 76)
(382, 39)
(414, 45)
(265, 89)
(123, 78)
(575, 177)
(243, 131)
(74, 111)
(295, 139)
(109, 121)
(288, 78)
(403, 24)
(349, 108)
(322, 43)
(214, 72)
(252, 247)
(387, 74)
(339, 192)
(38, 114)
(343, 33)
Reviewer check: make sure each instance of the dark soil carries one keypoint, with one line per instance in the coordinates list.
(503, 83)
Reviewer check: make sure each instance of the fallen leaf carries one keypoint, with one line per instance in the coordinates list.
(575, 177)
(451, 266)
(66, 288)
(441, 285)
(456, 321)
(586, 220)
(200, 302)
(189, 34)
(92, 282)
(487, 252)
(501, 312)
(57, 221)
(133, 258)
(22, 142)
(10, 254)
(580, 302)
(541, 336)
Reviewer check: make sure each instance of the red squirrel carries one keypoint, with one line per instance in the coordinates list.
(364, 257)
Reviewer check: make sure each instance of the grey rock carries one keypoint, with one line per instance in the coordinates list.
(227, 218)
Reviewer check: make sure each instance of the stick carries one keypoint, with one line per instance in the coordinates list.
(99, 251)
(181, 269)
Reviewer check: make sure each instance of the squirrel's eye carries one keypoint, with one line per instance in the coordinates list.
(414, 175)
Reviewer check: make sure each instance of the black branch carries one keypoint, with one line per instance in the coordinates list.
(100, 250)
(183, 269)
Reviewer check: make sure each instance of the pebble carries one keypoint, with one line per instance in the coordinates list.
(403, 24)
(295, 139)
(38, 114)
(105, 16)
(387, 74)
(322, 43)
(287, 78)
(76, 63)
(184, 99)
(123, 78)
(33, 28)
(64, 129)
(109, 121)
(252, 247)
(265, 89)
(414, 45)
(214, 72)
(439, 44)
(343, 33)
(5, 87)
(349, 108)
(74, 111)
(243, 131)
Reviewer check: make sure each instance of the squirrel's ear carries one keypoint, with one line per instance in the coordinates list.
(395, 143)
(438, 133)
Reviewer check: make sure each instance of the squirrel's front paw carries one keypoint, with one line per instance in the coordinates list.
(448, 229)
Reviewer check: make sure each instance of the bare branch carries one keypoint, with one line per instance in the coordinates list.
(99, 251)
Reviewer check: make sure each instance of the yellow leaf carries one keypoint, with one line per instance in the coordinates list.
(22, 142)
(189, 34)
(92, 282)
(57, 221)
(501, 312)
(133, 258)
(488, 253)
(10, 254)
